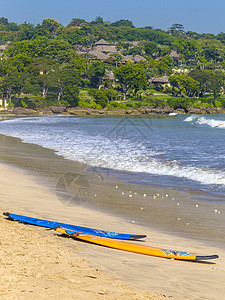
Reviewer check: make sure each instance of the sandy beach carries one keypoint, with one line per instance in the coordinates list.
(42, 264)
(37, 264)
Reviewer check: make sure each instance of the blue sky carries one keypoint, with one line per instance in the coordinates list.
(196, 15)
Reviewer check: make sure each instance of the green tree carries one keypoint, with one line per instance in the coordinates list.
(50, 25)
(96, 70)
(202, 77)
(124, 23)
(185, 84)
(77, 22)
(131, 76)
(116, 58)
(176, 29)
(70, 94)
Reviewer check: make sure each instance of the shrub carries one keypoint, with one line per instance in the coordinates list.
(89, 103)
(218, 103)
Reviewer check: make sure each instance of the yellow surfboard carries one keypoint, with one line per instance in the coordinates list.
(134, 247)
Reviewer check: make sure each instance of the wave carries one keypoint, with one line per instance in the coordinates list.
(214, 123)
(173, 114)
(98, 150)
(211, 122)
(191, 118)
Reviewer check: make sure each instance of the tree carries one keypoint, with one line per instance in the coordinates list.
(70, 94)
(185, 84)
(125, 23)
(96, 70)
(43, 70)
(163, 66)
(130, 76)
(202, 77)
(4, 21)
(68, 80)
(14, 84)
(77, 22)
(97, 21)
(116, 58)
(212, 51)
(50, 25)
(176, 29)
(26, 32)
(215, 83)
(208, 81)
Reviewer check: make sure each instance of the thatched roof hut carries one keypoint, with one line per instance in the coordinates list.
(99, 55)
(104, 46)
(160, 80)
(138, 58)
(101, 42)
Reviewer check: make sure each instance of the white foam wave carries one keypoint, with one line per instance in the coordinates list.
(211, 122)
(190, 118)
(173, 114)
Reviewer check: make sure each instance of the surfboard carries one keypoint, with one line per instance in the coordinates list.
(92, 231)
(137, 248)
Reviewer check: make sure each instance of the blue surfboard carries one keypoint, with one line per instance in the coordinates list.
(92, 231)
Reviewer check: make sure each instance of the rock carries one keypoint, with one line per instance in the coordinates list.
(132, 112)
(45, 111)
(196, 110)
(179, 111)
(20, 111)
(58, 109)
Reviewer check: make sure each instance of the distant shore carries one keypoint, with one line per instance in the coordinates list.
(144, 111)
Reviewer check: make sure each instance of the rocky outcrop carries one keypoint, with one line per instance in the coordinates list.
(203, 110)
(80, 111)
(58, 109)
(20, 111)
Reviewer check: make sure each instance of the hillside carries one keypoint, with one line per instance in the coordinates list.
(102, 65)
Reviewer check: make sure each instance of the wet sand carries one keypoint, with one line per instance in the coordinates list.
(176, 212)
(23, 192)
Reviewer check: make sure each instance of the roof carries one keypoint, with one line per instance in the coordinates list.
(112, 49)
(163, 79)
(101, 42)
(99, 55)
(139, 58)
(127, 57)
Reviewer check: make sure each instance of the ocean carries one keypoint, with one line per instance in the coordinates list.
(174, 151)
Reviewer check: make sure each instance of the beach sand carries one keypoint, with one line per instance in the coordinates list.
(36, 263)
(40, 264)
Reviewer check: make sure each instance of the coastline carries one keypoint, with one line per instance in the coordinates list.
(171, 211)
(31, 198)
(83, 111)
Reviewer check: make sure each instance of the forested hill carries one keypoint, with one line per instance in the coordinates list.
(51, 64)
(195, 47)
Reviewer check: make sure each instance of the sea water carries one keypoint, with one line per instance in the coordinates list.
(176, 151)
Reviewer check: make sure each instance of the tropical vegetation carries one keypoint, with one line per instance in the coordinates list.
(40, 65)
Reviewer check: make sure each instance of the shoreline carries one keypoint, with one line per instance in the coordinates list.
(141, 272)
(186, 214)
(82, 111)
(37, 200)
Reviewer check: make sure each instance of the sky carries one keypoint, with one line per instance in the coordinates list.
(202, 16)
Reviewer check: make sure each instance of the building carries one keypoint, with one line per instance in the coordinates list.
(3, 103)
(160, 81)
(104, 46)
